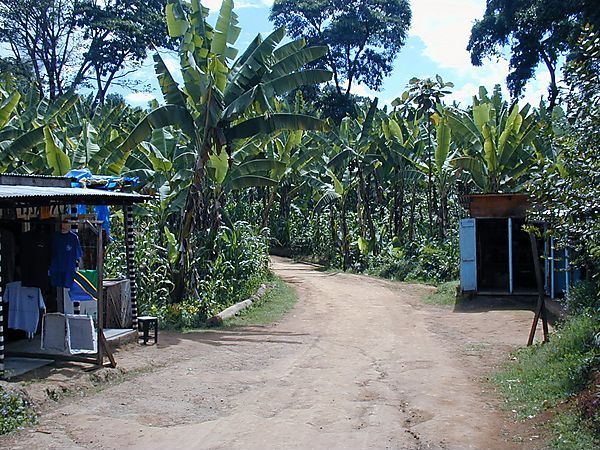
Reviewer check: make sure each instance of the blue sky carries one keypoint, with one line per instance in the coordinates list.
(436, 45)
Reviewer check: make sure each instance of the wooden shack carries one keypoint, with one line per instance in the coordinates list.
(496, 254)
(44, 204)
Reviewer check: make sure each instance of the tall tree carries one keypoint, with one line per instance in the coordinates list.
(537, 31)
(223, 100)
(567, 187)
(364, 36)
(67, 43)
(119, 33)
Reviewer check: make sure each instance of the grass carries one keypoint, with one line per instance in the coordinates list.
(445, 294)
(270, 308)
(15, 412)
(571, 433)
(543, 377)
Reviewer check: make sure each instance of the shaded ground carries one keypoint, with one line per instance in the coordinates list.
(358, 363)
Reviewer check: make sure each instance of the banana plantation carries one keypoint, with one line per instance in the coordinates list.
(250, 154)
(239, 162)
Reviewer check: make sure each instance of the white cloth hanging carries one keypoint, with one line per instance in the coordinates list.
(25, 304)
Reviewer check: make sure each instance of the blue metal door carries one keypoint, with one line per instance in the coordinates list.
(468, 255)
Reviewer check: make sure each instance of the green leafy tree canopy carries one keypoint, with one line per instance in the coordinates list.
(364, 36)
(536, 31)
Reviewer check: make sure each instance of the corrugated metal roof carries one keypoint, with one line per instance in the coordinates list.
(35, 175)
(37, 195)
(17, 179)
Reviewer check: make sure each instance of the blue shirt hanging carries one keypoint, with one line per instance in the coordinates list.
(103, 213)
(66, 251)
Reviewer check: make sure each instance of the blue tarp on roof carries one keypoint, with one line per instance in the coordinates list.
(85, 178)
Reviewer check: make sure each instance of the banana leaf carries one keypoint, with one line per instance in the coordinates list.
(296, 61)
(161, 117)
(8, 106)
(275, 122)
(246, 181)
(57, 159)
(287, 83)
(168, 86)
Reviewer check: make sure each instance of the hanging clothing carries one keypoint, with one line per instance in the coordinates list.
(103, 214)
(7, 241)
(36, 252)
(66, 251)
(25, 304)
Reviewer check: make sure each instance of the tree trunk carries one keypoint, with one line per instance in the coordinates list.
(193, 214)
(429, 179)
(399, 210)
(333, 229)
(369, 215)
(345, 243)
(267, 204)
(411, 219)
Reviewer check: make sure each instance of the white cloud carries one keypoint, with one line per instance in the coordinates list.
(139, 98)
(444, 27)
(215, 5)
(363, 91)
(537, 89)
(463, 95)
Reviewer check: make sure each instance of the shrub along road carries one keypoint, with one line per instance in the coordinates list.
(358, 363)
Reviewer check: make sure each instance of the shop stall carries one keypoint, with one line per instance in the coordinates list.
(55, 303)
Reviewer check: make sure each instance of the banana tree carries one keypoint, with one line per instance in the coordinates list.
(352, 160)
(27, 136)
(337, 193)
(495, 142)
(402, 153)
(223, 100)
(42, 136)
(422, 100)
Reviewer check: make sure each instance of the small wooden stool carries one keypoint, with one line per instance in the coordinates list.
(144, 323)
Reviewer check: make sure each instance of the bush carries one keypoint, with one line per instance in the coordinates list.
(224, 271)
(426, 262)
(438, 263)
(15, 412)
(544, 374)
(583, 296)
(565, 368)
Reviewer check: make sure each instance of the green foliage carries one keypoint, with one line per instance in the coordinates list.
(566, 183)
(584, 295)
(225, 102)
(270, 308)
(228, 272)
(543, 375)
(573, 433)
(537, 31)
(15, 412)
(494, 141)
(429, 263)
(364, 37)
(73, 43)
(445, 294)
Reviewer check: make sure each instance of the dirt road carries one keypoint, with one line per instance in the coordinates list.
(358, 363)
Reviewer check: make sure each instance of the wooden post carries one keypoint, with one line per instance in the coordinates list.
(540, 310)
(100, 291)
(510, 256)
(130, 255)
